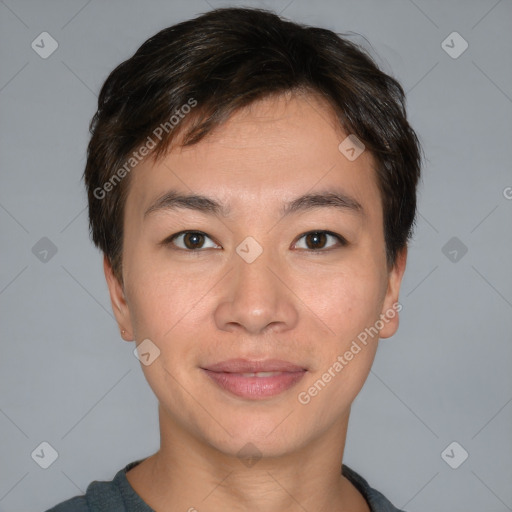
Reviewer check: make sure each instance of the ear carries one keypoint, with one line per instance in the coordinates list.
(391, 307)
(118, 300)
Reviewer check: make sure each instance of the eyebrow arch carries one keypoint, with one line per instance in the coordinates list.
(173, 200)
(327, 199)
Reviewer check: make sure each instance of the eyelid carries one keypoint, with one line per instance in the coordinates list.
(170, 239)
(341, 240)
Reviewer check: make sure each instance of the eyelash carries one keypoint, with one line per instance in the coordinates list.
(169, 241)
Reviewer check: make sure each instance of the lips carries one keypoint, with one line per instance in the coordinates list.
(254, 380)
(248, 366)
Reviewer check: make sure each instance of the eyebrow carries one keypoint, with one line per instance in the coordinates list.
(174, 200)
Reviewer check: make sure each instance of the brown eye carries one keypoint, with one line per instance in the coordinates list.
(317, 240)
(190, 240)
(193, 240)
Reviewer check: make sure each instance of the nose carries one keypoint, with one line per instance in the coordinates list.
(257, 297)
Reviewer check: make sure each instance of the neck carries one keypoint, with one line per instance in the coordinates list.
(189, 474)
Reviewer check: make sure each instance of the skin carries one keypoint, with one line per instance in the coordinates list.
(291, 303)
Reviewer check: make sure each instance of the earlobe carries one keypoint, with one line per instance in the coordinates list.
(118, 301)
(391, 306)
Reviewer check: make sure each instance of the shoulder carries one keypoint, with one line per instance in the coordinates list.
(376, 500)
(76, 504)
(100, 495)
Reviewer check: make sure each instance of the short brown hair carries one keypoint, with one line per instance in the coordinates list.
(220, 62)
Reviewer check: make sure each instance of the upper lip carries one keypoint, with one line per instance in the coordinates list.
(248, 366)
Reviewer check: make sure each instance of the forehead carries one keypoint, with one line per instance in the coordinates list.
(269, 152)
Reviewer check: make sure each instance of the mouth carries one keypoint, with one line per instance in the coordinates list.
(254, 380)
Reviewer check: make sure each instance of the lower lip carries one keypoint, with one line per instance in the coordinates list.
(255, 387)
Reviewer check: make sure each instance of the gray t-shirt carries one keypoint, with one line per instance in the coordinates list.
(118, 495)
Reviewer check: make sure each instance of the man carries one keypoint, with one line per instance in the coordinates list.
(252, 186)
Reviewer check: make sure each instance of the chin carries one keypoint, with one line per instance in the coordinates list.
(256, 435)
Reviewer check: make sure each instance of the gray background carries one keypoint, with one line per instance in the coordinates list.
(67, 378)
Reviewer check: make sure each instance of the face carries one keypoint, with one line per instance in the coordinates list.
(280, 255)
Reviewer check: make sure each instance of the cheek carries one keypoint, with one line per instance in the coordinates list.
(347, 300)
(166, 309)
(349, 304)
(162, 302)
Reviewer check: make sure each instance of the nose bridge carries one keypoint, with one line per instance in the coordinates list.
(255, 298)
(255, 287)
(252, 264)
